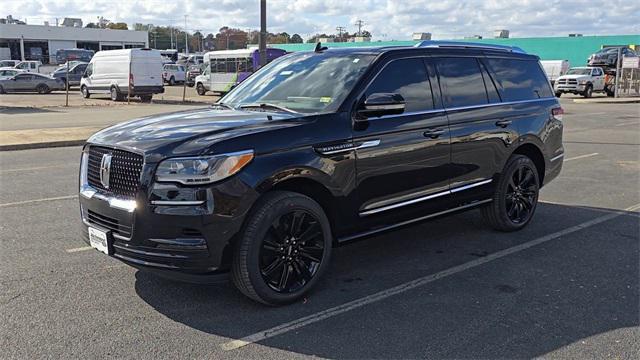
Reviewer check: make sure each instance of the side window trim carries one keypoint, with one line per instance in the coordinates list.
(484, 70)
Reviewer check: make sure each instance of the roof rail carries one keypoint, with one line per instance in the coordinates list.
(468, 45)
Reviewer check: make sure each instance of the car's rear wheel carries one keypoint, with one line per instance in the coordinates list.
(115, 94)
(200, 89)
(42, 89)
(588, 91)
(85, 92)
(172, 81)
(516, 196)
(283, 249)
(146, 98)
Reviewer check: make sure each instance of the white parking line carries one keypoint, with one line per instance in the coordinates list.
(627, 123)
(337, 310)
(84, 248)
(38, 200)
(581, 156)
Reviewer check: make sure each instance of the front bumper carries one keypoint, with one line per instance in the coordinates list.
(184, 233)
(572, 88)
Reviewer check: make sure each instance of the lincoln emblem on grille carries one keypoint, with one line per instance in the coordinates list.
(105, 170)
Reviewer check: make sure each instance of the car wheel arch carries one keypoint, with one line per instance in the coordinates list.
(534, 152)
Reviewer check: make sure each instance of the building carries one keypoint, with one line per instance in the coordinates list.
(501, 34)
(574, 49)
(72, 22)
(40, 42)
(421, 36)
(359, 39)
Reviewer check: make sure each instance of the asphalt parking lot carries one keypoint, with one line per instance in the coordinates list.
(566, 286)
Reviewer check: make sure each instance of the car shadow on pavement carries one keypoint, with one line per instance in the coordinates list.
(527, 304)
(14, 110)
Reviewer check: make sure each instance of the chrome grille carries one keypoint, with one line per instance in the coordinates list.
(124, 179)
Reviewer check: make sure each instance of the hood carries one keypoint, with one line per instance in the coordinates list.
(189, 132)
(577, 77)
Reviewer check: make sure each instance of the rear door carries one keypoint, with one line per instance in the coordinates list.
(146, 69)
(480, 130)
(402, 160)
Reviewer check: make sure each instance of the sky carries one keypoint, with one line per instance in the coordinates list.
(385, 19)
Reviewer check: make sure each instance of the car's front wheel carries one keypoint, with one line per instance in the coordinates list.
(516, 195)
(85, 92)
(42, 89)
(283, 249)
(172, 81)
(588, 91)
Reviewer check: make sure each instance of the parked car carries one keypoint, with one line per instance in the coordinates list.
(29, 66)
(555, 68)
(172, 73)
(8, 72)
(75, 73)
(609, 56)
(581, 81)
(112, 71)
(9, 63)
(317, 149)
(30, 82)
(64, 55)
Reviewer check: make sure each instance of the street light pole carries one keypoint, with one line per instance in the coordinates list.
(186, 37)
(262, 46)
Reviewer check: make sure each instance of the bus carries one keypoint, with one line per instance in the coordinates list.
(62, 55)
(224, 69)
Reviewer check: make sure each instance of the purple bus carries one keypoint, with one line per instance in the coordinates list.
(224, 69)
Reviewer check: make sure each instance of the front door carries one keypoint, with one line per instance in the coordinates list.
(402, 160)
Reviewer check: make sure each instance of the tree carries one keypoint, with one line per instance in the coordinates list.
(118, 26)
(296, 39)
(91, 26)
(230, 38)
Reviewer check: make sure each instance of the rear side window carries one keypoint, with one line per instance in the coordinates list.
(461, 82)
(407, 77)
(520, 79)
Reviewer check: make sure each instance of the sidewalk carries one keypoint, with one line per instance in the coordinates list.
(41, 138)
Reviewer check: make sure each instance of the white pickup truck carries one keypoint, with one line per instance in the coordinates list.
(580, 81)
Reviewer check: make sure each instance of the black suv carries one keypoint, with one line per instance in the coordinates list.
(316, 149)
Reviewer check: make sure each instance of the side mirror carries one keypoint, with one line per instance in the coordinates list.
(380, 104)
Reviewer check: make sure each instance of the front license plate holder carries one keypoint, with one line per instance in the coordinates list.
(99, 240)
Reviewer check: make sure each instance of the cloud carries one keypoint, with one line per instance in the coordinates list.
(386, 19)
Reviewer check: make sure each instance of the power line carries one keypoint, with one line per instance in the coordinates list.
(359, 23)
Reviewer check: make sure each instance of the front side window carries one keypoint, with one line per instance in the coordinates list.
(520, 79)
(461, 82)
(407, 77)
(305, 82)
(89, 70)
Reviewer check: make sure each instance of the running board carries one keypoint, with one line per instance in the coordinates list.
(408, 222)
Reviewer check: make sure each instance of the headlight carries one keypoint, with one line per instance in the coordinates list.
(202, 170)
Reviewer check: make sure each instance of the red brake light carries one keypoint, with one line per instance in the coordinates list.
(557, 113)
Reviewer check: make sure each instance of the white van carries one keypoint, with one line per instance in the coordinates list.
(555, 68)
(113, 72)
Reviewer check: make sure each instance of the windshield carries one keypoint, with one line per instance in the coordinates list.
(303, 82)
(579, 72)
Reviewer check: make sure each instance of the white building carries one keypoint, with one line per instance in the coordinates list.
(39, 42)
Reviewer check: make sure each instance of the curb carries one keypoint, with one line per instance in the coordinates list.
(40, 145)
(607, 101)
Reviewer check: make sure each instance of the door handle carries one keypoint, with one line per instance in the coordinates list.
(503, 123)
(433, 133)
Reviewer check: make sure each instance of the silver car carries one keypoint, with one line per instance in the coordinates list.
(31, 82)
(7, 72)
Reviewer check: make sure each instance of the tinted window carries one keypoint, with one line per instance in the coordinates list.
(24, 77)
(461, 82)
(407, 77)
(490, 85)
(520, 79)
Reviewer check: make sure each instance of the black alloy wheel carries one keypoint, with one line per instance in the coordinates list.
(292, 251)
(516, 195)
(283, 248)
(522, 194)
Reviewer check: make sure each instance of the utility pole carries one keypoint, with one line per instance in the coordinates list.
(171, 35)
(262, 46)
(340, 29)
(186, 36)
(359, 23)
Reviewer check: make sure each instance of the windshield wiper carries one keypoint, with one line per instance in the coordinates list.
(223, 105)
(265, 106)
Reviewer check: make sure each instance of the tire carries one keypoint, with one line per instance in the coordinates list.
(42, 89)
(146, 98)
(588, 91)
(275, 262)
(200, 89)
(516, 196)
(85, 92)
(1, 90)
(115, 94)
(64, 81)
(558, 94)
(172, 81)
